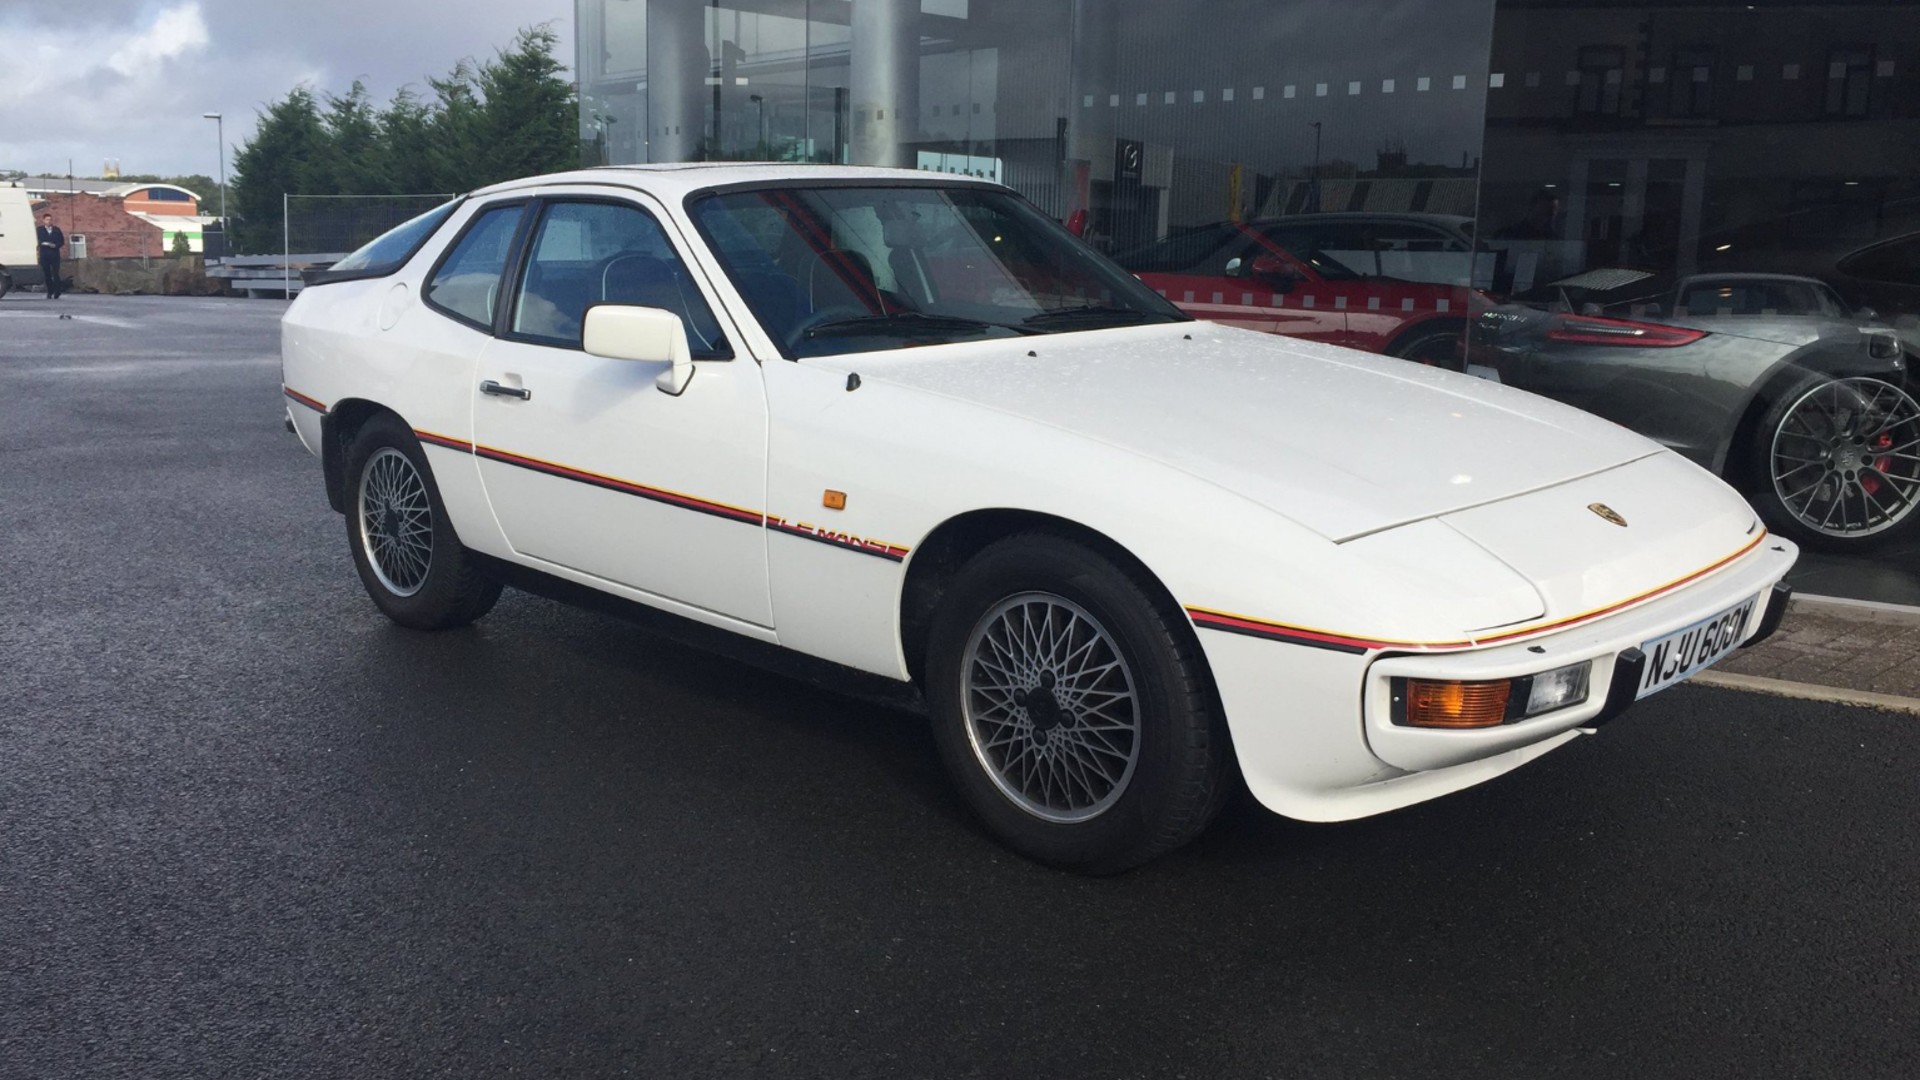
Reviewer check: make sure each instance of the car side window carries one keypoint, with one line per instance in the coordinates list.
(1203, 252)
(467, 283)
(587, 253)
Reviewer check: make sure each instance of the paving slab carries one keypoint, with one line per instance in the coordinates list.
(1843, 644)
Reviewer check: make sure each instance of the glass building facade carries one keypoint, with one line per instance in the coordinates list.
(1597, 201)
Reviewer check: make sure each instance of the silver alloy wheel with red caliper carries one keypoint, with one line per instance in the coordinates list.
(1845, 457)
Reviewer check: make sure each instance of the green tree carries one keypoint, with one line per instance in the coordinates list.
(276, 161)
(349, 160)
(512, 116)
(405, 146)
(531, 119)
(456, 130)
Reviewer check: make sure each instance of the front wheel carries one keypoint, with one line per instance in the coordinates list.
(404, 546)
(1075, 715)
(1835, 463)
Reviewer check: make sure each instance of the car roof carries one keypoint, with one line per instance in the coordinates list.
(676, 181)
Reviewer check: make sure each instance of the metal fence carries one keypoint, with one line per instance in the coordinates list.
(345, 222)
(336, 224)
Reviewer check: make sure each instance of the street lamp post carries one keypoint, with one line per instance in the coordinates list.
(220, 133)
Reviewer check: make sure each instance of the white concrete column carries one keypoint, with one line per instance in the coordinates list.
(885, 81)
(677, 69)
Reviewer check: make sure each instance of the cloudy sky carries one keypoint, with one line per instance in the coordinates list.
(128, 80)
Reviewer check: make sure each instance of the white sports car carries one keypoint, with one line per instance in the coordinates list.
(906, 423)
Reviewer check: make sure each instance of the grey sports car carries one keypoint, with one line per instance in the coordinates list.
(1765, 379)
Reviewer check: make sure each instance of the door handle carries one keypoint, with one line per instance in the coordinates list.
(491, 387)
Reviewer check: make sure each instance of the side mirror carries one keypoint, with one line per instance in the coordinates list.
(1866, 313)
(624, 332)
(1274, 272)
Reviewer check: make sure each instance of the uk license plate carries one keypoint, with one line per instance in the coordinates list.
(1685, 652)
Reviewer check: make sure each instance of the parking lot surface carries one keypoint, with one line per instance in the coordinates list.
(248, 828)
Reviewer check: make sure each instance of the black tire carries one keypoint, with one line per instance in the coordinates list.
(451, 590)
(1847, 523)
(6, 284)
(1179, 775)
(1436, 345)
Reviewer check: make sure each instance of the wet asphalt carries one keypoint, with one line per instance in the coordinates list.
(249, 829)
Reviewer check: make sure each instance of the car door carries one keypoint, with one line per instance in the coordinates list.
(590, 467)
(1300, 299)
(1412, 273)
(1192, 270)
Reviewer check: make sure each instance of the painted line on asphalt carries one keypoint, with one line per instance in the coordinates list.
(1727, 680)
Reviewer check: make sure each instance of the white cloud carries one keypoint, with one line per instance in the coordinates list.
(128, 80)
(175, 32)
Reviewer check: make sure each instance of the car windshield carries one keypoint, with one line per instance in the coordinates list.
(837, 269)
(1755, 296)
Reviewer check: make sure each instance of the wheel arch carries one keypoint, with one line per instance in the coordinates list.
(1728, 460)
(941, 554)
(337, 428)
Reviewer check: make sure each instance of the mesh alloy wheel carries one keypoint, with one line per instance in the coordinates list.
(1051, 710)
(396, 522)
(1845, 457)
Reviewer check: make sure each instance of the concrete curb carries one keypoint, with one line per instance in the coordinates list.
(1727, 680)
(1896, 612)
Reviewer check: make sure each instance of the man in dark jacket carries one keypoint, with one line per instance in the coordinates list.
(51, 241)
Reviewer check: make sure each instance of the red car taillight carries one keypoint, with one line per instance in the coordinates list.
(1594, 330)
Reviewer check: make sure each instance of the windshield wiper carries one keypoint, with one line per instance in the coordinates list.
(906, 322)
(1089, 311)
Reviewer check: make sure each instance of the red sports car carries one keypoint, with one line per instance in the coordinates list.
(1388, 283)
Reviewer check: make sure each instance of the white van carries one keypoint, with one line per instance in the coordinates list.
(19, 259)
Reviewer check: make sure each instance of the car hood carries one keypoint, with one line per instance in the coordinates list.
(1342, 442)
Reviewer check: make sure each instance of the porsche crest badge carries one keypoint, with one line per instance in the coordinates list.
(1607, 512)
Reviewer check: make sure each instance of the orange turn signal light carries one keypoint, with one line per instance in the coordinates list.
(1431, 703)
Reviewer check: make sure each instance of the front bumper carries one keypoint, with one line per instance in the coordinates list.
(1313, 729)
(1611, 644)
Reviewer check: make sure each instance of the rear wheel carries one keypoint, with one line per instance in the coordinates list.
(404, 546)
(1436, 346)
(1835, 463)
(1074, 714)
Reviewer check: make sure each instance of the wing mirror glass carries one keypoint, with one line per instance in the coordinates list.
(624, 332)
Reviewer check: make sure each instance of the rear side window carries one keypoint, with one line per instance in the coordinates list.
(391, 249)
(467, 283)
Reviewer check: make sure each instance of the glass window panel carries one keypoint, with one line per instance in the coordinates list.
(468, 281)
(588, 253)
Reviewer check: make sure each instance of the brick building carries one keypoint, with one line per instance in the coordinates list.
(121, 221)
